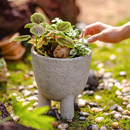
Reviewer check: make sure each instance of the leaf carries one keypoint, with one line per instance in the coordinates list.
(66, 42)
(51, 29)
(30, 25)
(22, 38)
(37, 18)
(37, 30)
(41, 42)
(48, 34)
(60, 34)
(32, 41)
(64, 26)
(43, 24)
(34, 118)
(46, 54)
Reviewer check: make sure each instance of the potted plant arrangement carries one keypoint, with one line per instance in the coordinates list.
(61, 62)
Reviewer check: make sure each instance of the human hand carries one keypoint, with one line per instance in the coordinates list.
(102, 32)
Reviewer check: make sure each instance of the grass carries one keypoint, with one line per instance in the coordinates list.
(100, 55)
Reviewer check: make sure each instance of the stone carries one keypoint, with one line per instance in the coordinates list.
(125, 112)
(26, 93)
(81, 102)
(125, 103)
(100, 65)
(118, 93)
(114, 107)
(92, 80)
(126, 94)
(83, 114)
(98, 97)
(120, 109)
(115, 125)
(125, 99)
(69, 121)
(30, 108)
(122, 73)
(32, 98)
(101, 71)
(91, 93)
(25, 103)
(117, 116)
(95, 109)
(106, 114)
(15, 118)
(51, 113)
(89, 127)
(99, 119)
(125, 117)
(92, 104)
(107, 75)
(82, 118)
(63, 126)
(112, 57)
(110, 85)
(30, 86)
(80, 96)
(103, 128)
(55, 123)
(113, 112)
(13, 94)
(21, 88)
(35, 104)
(128, 106)
(85, 92)
(94, 127)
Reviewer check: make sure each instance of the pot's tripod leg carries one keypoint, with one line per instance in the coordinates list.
(67, 107)
(42, 101)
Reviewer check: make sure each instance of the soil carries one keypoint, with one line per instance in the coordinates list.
(107, 11)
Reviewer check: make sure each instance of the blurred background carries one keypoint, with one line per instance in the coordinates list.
(15, 14)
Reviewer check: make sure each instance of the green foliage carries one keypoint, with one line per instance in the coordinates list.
(37, 18)
(47, 36)
(22, 38)
(66, 42)
(80, 50)
(34, 118)
(64, 26)
(1, 63)
(37, 30)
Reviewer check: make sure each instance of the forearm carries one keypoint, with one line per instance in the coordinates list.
(125, 31)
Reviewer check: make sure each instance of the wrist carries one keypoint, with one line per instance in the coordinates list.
(125, 31)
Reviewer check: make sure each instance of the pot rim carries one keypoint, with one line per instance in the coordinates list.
(51, 58)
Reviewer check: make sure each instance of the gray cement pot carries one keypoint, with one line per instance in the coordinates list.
(60, 80)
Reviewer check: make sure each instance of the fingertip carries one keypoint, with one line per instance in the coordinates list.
(90, 40)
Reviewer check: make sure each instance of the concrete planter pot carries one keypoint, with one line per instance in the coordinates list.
(60, 79)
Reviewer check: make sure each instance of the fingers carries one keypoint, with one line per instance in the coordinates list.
(91, 29)
(94, 38)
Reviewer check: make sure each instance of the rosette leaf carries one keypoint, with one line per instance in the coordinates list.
(37, 30)
(64, 26)
(66, 41)
(22, 38)
(37, 18)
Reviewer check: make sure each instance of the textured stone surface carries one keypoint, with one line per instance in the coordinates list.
(60, 80)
